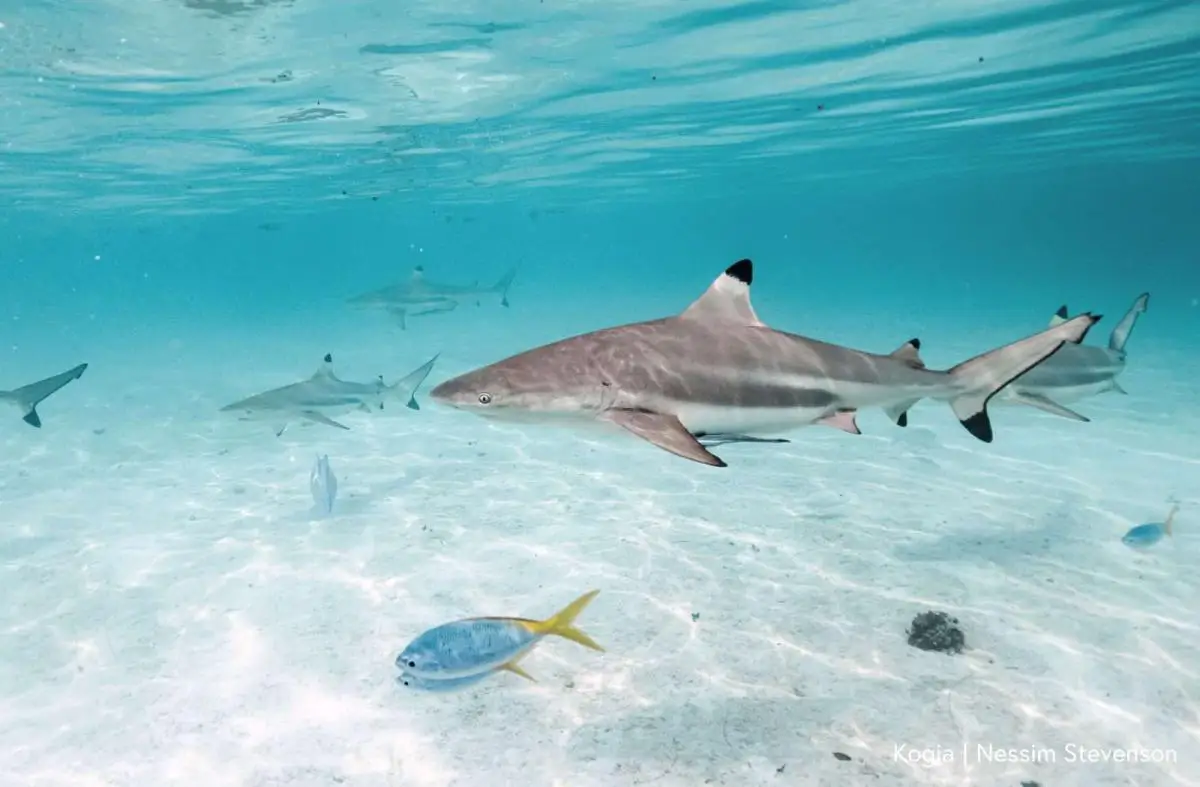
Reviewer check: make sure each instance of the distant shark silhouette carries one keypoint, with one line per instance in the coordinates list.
(321, 397)
(28, 397)
(1076, 371)
(419, 296)
(717, 370)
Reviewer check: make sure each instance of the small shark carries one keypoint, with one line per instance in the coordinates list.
(717, 370)
(323, 396)
(28, 397)
(419, 296)
(1077, 371)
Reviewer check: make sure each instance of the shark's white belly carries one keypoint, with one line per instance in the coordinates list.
(758, 421)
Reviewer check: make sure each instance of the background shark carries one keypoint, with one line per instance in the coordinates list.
(1077, 370)
(28, 397)
(419, 296)
(716, 369)
(324, 396)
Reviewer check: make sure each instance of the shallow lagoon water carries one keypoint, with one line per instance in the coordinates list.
(192, 193)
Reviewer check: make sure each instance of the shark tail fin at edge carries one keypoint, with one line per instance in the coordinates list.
(1170, 519)
(1120, 334)
(982, 377)
(406, 387)
(505, 282)
(28, 397)
(562, 623)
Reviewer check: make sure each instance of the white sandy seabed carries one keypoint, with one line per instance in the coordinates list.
(175, 614)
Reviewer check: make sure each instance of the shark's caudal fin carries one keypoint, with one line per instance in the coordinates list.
(1120, 334)
(982, 377)
(406, 387)
(505, 282)
(28, 397)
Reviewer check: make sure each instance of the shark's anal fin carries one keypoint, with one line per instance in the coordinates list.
(842, 419)
(664, 431)
(1116, 387)
(899, 412)
(315, 417)
(727, 299)
(1048, 405)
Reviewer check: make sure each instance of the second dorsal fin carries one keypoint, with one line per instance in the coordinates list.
(727, 299)
(908, 352)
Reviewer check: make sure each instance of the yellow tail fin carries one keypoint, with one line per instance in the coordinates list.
(1171, 518)
(561, 623)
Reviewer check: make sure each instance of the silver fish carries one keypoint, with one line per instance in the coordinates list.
(323, 485)
(716, 369)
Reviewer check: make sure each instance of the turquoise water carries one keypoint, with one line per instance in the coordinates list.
(190, 193)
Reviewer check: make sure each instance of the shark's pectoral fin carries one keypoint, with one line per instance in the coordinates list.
(1117, 388)
(899, 412)
(398, 314)
(664, 431)
(280, 429)
(32, 418)
(315, 417)
(842, 419)
(1048, 405)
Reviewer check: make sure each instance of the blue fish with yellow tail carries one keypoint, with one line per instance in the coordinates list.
(475, 646)
(1145, 536)
(410, 681)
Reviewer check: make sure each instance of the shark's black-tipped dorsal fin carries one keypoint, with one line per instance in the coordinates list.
(326, 368)
(418, 273)
(1060, 316)
(728, 298)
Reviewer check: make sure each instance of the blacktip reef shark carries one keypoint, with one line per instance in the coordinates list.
(28, 397)
(419, 296)
(1076, 371)
(716, 369)
(324, 396)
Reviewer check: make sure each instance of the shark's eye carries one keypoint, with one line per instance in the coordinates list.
(485, 398)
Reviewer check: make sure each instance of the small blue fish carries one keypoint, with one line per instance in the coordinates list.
(323, 485)
(476, 646)
(411, 681)
(1145, 536)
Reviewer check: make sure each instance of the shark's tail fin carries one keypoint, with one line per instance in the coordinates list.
(505, 282)
(28, 397)
(982, 377)
(1120, 334)
(406, 387)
